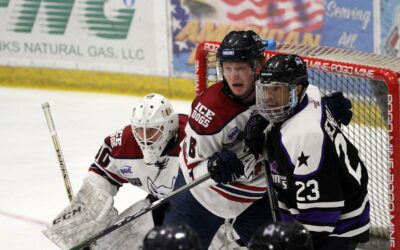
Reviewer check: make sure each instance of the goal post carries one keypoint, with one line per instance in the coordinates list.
(371, 82)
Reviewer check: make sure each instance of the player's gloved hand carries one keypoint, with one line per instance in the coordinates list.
(339, 106)
(225, 167)
(254, 136)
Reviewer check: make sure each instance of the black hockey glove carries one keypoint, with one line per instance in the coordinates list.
(254, 134)
(340, 107)
(225, 167)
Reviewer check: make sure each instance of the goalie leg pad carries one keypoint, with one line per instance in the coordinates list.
(129, 236)
(90, 212)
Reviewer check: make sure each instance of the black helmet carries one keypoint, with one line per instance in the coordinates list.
(241, 46)
(281, 236)
(285, 68)
(283, 72)
(171, 237)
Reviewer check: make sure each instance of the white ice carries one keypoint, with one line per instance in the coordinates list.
(32, 190)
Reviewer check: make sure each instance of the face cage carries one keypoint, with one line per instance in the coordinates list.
(152, 151)
(275, 114)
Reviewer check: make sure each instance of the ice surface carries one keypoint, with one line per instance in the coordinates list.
(32, 190)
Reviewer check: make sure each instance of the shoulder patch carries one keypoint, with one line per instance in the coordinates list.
(116, 139)
(213, 109)
(202, 115)
(233, 133)
(126, 171)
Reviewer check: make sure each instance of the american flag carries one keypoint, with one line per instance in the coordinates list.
(287, 15)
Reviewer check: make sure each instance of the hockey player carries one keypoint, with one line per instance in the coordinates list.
(316, 171)
(144, 154)
(281, 236)
(214, 144)
(171, 237)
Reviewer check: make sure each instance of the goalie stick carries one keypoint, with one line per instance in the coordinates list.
(60, 157)
(139, 213)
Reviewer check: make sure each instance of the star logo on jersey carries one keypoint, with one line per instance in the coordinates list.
(303, 159)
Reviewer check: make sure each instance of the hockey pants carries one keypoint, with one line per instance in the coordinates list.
(184, 208)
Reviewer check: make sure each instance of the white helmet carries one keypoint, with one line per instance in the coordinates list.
(154, 124)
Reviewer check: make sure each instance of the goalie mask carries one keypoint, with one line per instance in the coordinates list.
(171, 237)
(154, 125)
(276, 89)
(281, 236)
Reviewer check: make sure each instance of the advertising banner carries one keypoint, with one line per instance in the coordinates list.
(334, 23)
(116, 35)
(390, 28)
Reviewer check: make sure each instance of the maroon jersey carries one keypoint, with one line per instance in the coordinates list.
(120, 160)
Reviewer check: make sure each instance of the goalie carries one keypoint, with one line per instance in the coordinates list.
(144, 154)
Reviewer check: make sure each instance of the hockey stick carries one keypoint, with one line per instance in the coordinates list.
(272, 198)
(139, 213)
(60, 157)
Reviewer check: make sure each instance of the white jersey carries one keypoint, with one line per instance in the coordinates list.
(217, 122)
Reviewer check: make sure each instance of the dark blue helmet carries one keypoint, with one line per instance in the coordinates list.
(281, 236)
(243, 46)
(284, 68)
(171, 237)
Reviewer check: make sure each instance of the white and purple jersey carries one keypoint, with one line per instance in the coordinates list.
(317, 173)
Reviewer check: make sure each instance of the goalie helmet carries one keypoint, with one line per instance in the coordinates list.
(154, 125)
(281, 236)
(171, 237)
(276, 88)
(243, 46)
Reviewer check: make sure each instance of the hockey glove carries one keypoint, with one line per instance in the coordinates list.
(340, 107)
(225, 167)
(254, 134)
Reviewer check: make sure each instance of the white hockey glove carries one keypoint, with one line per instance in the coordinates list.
(89, 212)
(129, 236)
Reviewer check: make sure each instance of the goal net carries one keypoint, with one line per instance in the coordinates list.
(372, 83)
